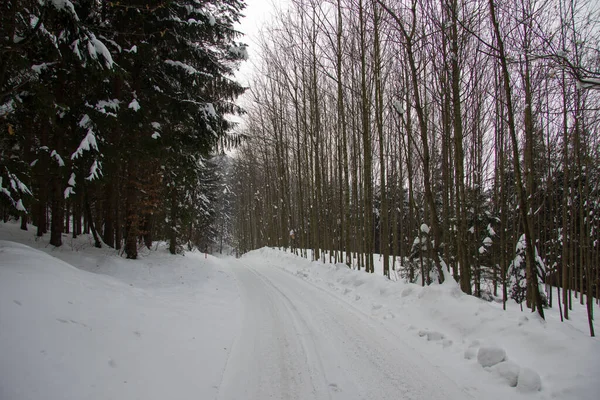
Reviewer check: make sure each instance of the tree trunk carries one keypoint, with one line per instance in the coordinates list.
(89, 217)
(131, 214)
(173, 223)
(57, 209)
(523, 201)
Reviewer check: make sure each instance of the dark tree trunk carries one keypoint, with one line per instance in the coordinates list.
(173, 233)
(131, 216)
(57, 207)
(109, 227)
(67, 217)
(89, 217)
(148, 231)
(77, 228)
(118, 227)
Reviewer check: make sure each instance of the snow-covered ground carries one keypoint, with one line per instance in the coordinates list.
(83, 323)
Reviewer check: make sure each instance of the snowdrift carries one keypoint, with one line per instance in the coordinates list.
(548, 359)
(66, 333)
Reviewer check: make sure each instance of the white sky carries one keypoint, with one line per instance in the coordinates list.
(257, 12)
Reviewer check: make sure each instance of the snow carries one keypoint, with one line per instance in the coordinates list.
(209, 110)
(134, 105)
(398, 107)
(561, 353)
(88, 143)
(39, 68)
(424, 228)
(156, 328)
(20, 206)
(85, 121)
(95, 171)
(7, 108)
(96, 47)
(187, 68)
(65, 5)
(508, 371)
(588, 83)
(58, 158)
(75, 48)
(239, 51)
(528, 381)
(102, 105)
(211, 19)
(68, 192)
(133, 49)
(488, 356)
(80, 322)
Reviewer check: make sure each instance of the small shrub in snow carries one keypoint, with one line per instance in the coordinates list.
(488, 356)
(529, 381)
(517, 274)
(508, 371)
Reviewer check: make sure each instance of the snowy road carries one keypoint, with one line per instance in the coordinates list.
(298, 341)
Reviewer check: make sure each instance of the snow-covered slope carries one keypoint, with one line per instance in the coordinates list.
(159, 328)
(452, 330)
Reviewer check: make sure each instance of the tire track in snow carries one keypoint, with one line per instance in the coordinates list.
(310, 344)
(273, 355)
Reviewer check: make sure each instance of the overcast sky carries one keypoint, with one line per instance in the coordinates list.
(257, 12)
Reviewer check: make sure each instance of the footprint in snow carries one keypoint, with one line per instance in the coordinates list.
(335, 387)
(431, 335)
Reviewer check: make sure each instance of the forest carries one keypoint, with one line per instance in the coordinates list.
(112, 116)
(455, 139)
(452, 139)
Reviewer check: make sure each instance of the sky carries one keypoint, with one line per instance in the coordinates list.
(257, 12)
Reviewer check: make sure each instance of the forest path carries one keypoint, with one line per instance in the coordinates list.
(298, 341)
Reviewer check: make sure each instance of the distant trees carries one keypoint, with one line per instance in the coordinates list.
(444, 133)
(109, 114)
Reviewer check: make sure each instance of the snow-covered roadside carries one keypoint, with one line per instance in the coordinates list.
(156, 328)
(460, 333)
(164, 326)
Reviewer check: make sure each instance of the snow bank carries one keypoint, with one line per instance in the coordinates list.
(488, 356)
(529, 381)
(508, 371)
(464, 335)
(156, 328)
